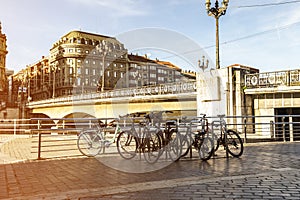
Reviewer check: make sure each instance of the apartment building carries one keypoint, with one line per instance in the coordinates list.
(3, 78)
(81, 62)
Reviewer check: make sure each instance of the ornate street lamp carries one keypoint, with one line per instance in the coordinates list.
(104, 49)
(54, 69)
(217, 12)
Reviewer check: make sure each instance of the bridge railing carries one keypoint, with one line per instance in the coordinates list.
(15, 126)
(61, 138)
(279, 127)
(266, 128)
(57, 137)
(171, 88)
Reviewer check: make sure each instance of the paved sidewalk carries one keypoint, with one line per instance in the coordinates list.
(14, 148)
(265, 171)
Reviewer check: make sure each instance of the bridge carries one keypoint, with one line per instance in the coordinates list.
(179, 97)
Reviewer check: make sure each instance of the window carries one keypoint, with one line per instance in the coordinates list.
(78, 70)
(86, 71)
(87, 51)
(108, 73)
(79, 50)
(94, 71)
(70, 50)
(70, 70)
(94, 62)
(115, 74)
(78, 81)
(86, 61)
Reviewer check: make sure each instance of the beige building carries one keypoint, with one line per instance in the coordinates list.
(81, 62)
(275, 95)
(3, 78)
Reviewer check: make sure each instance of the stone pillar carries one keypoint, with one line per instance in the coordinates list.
(211, 94)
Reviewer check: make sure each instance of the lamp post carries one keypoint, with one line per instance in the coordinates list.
(104, 50)
(217, 12)
(54, 70)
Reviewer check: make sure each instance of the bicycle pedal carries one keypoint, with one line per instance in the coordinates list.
(107, 143)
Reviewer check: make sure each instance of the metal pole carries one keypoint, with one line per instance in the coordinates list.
(15, 127)
(217, 12)
(39, 145)
(291, 129)
(245, 130)
(103, 68)
(217, 44)
(225, 137)
(272, 130)
(53, 87)
(283, 127)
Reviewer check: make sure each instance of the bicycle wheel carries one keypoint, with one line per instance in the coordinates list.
(216, 140)
(152, 144)
(234, 144)
(174, 146)
(89, 143)
(126, 145)
(186, 144)
(206, 148)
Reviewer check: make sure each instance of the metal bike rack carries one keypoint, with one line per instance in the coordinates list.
(220, 124)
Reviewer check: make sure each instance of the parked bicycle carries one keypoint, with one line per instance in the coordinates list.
(92, 142)
(139, 138)
(169, 136)
(229, 139)
(199, 139)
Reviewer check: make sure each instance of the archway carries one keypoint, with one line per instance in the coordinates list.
(77, 120)
(41, 121)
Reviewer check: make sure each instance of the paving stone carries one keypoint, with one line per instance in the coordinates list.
(264, 172)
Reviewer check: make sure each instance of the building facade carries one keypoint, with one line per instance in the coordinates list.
(275, 95)
(81, 62)
(3, 77)
(86, 62)
(144, 71)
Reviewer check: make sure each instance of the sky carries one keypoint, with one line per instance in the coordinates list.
(263, 36)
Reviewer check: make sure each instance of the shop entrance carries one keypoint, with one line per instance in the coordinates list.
(284, 118)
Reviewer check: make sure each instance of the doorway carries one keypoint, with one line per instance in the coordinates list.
(285, 116)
